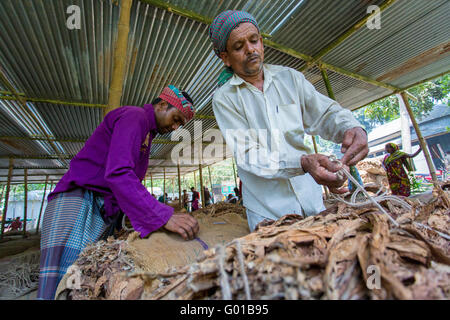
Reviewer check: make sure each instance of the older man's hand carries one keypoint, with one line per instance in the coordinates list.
(183, 224)
(323, 171)
(354, 146)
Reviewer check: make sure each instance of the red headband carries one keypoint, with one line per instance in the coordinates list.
(173, 96)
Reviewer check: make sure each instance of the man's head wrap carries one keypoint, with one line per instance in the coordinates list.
(223, 24)
(173, 96)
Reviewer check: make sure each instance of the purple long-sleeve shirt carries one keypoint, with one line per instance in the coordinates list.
(113, 162)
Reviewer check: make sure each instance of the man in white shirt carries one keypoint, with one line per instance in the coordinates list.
(263, 112)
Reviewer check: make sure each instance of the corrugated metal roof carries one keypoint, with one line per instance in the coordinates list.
(172, 46)
(408, 28)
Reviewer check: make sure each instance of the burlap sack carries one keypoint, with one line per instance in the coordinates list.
(163, 250)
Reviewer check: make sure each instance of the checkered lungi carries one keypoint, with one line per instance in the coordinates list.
(72, 220)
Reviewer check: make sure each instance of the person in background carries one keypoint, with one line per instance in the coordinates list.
(185, 200)
(207, 196)
(232, 198)
(195, 199)
(394, 163)
(16, 224)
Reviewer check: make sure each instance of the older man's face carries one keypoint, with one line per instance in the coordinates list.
(245, 50)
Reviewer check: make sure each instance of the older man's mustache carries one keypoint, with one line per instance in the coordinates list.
(254, 55)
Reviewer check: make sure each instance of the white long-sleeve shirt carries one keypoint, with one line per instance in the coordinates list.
(265, 131)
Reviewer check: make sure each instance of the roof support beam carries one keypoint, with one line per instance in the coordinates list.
(8, 188)
(120, 52)
(8, 95)
(30, 114)
(346, 35)
(83, 140)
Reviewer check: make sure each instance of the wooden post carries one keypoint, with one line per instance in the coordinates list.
(25, 202)
(120, 53)
(195, 182)
(164, 185)
(314, 143)
(234, 172)
(210, 184)
(8, 188)
(179, 185)
(404, 125)
(327, 83)
(151, 181)
(3, 191)
(202, 191)
(422, 142)
(173, 185)
(42, 205)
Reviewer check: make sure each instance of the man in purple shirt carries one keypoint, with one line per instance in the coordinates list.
(104, 180)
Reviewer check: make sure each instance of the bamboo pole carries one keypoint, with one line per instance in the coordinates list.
(33, 117)
(330, 92)
(164, 185)
(179, 185)
(8, 188)
(120, 52)
(25, 203)
(3, 191)
(195, 182)
(202, 191)
(42, 205)
(173, 185)
(326, 80)
(314, 143)
(210, 184)
(210, 180)
(151, 181)
(234, 173)
(422, 142)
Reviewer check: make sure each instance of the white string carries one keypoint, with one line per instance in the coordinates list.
(361, 188)
(224, 284)
(377, 199)
(242, 266)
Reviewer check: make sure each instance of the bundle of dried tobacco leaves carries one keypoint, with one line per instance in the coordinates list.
(221, 208)
(342, 253)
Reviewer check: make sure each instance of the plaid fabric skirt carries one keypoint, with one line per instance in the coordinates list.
(72, 220)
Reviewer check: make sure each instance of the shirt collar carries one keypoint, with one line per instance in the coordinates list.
(150, 111)
(236, 80)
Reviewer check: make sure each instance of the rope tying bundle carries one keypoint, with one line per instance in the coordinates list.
(375, 200)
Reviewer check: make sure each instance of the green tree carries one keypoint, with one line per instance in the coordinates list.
(428, 94)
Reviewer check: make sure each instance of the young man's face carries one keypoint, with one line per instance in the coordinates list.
(245, 50)
(168, 119)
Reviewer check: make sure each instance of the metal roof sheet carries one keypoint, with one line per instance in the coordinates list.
(65, 74)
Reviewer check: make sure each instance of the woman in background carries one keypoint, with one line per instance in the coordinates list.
(394, 163)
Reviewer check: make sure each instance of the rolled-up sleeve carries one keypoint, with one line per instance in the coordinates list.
(146, 214)
(321, 115)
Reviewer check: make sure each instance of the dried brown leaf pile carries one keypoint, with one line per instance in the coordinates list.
(335, 255)
(338, 254)
(221, 208)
